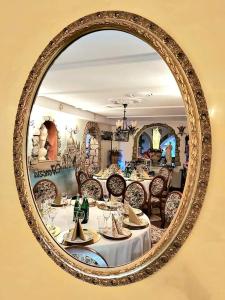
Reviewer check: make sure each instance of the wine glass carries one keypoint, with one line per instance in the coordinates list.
(64, 199)
(101, 223)
(106, 215)
(79, 216)
(105, 198)
(52, 215)
(69, 199)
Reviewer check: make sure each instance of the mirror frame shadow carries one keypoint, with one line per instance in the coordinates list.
(200, 147)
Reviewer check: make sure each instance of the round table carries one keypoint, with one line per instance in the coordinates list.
(144, 182)
(115, 252)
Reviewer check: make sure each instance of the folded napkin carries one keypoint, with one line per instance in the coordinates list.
(57, 200)
(113, 199)
(78, 232)
(133, 175)
(105, 174)
(145, 175)
(116, 227)
(99, 173)
(91, 200)
(133, 218)
(126, 207)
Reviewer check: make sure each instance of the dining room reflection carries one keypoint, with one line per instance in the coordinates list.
(106, 157)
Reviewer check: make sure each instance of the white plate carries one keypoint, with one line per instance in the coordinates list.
(88, 235)
(112, 204)
(144, 223)
(137, 211)
(126, 234)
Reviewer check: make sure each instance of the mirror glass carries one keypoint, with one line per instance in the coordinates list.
(107, 148)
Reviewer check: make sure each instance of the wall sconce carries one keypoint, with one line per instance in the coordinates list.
(181, 130)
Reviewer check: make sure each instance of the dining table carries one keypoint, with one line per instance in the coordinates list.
(115, 252)
(144, 182)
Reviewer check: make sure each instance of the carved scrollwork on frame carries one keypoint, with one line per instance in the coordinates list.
(200, 147)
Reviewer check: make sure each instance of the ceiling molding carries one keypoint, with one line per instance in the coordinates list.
(119, 107)
(105, 61)
(154, 116)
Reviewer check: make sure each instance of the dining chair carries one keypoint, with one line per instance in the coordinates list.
(172, 204)
(116, 185)
(81, 176)
(92, 169)
(92, 188)
(43, 190)
(156, 188)
(167, 174)
(136, 195)
(88, 256)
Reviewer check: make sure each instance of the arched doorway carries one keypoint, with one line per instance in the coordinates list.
(167, 131)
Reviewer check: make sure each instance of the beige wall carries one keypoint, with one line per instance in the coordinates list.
(197, 272)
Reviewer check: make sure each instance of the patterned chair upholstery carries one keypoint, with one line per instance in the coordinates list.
(156, 188)
(167, 174)
(92, 188)
(116, 185)
(43, 190)
(81, 176)
(136, 195)
(92, 169)
(172, 204)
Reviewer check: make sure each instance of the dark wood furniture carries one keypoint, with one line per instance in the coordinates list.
(116, 185)
(136, 195)
(172, 204)
(92, 188)
(81, 176)
(156, 188)
(43, 190)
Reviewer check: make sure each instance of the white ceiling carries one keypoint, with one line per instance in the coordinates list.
(108, 65)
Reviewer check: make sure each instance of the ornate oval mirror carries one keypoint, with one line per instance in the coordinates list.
(112, 148)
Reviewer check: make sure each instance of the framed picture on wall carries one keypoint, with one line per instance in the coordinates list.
(122, 136)
(106, 135)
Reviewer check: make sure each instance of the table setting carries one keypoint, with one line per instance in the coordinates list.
(139, 175)
(106, 230)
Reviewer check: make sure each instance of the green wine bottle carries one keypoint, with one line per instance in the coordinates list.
(76, 208)
(85, 208)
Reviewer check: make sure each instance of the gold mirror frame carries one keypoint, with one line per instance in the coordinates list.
(200, 147)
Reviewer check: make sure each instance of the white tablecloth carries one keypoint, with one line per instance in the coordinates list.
(145, 183)
(116, 253)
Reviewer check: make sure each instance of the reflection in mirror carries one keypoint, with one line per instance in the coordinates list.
(107, 148)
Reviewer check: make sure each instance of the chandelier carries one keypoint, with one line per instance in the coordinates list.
(122, 125)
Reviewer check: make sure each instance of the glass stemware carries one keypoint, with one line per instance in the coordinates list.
(52, 215)
(79, 216)
(105, 198)
(101, 223)
(106, 215)
(69, 199)
(64, 199)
